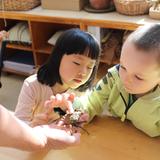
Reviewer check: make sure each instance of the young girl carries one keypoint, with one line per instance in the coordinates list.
(14, 133)
(72, 65)
(131, 90)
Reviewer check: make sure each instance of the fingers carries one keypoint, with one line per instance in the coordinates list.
(65, 141)
(48, 106)
(58, 138)
(69, 96)
(84, 117)
(68, 139)
(69, 107)
(64, 101)
(39, 119)
(74, 139)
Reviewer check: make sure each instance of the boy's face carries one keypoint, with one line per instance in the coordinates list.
(75, 69)
(139, 70)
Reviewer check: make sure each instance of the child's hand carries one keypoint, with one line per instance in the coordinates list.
(64, 101)
(84, 118)
(3, 35)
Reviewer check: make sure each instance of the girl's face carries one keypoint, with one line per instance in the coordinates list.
(139, 71)
(75, 69)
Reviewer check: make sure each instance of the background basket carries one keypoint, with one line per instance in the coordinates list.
(132, 7)
(18, 5)
(154, 11)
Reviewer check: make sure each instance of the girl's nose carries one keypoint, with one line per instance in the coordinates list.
(83, 72)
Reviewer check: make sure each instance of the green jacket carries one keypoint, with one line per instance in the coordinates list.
(144, 112)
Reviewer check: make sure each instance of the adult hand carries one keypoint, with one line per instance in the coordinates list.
(53, 138)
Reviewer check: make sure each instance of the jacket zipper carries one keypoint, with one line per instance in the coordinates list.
(126, 105)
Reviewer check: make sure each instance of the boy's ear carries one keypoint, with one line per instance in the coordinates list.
(159, 81)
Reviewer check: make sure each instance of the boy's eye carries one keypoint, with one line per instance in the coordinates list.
(139, 78)
(122, 67)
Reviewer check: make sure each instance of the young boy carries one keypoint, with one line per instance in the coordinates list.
(131, 90)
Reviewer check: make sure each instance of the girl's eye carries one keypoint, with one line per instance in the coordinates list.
(76, 63)
(90, 68)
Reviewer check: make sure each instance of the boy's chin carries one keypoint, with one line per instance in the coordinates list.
(139, 94)
(130, 91)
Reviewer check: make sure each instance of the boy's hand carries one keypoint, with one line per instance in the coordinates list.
(3, 35)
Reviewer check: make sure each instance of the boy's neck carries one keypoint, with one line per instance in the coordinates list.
(139, 95)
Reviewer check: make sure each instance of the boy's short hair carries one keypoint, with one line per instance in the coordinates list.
(147, 38)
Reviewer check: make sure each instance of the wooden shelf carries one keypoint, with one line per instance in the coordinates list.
(44, 23)
(20, 47)
(111, 19)
(45, 49)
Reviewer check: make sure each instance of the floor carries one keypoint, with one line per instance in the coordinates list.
(11, 85)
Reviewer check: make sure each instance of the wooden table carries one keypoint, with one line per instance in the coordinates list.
(109, 139)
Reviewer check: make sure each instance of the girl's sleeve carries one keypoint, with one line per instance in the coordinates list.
(93, 101)
(26, 102)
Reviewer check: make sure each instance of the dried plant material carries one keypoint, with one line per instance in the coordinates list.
(72, 122)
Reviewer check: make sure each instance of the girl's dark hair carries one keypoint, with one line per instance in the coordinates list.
(147, 38)
(72, 41)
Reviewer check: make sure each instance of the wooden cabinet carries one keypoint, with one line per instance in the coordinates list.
(41, 32)
(44, 23)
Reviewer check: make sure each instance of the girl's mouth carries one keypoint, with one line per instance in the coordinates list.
(77, 80)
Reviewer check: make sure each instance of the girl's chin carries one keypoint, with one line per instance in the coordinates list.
(74, 86)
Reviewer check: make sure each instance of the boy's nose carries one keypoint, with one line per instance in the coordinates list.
(128, 79)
